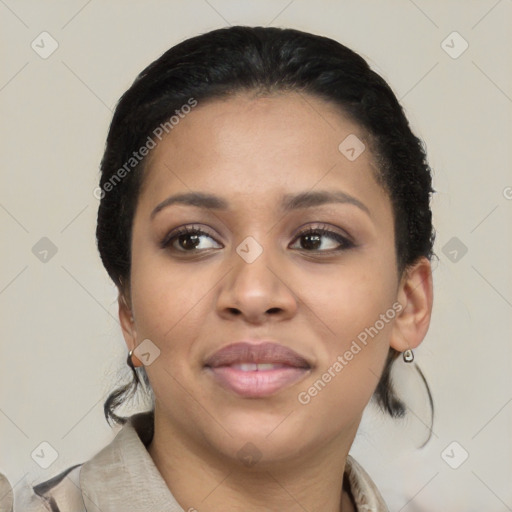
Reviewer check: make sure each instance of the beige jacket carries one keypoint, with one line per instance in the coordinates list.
(123, 478)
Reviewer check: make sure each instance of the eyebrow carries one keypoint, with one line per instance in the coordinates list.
(289, 202)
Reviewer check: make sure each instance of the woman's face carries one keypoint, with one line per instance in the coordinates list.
(251, 276)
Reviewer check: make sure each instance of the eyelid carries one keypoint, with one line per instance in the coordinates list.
(322, 226)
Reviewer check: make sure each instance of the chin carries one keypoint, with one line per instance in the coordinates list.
(268, 437)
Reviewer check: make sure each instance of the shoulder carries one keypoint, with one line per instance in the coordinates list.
(61, 493)
(88, 486)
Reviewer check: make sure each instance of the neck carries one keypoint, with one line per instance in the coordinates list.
(202, 479)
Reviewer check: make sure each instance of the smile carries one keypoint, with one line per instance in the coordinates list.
(256, 370)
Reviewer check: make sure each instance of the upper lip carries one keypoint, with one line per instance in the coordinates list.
(265, 352)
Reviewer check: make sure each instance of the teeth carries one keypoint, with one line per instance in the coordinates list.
(268, 366)
(252, 367)
(246, 367)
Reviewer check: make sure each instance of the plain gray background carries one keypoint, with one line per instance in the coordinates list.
(61, 346)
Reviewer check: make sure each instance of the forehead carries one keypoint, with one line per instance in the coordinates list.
(251, 147)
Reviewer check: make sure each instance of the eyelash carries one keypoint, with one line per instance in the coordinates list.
(345, 243)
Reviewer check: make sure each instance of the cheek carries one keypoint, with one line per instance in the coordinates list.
(353, 354)
(349, 300)
(167, 301)
(169, 308)
(357, 308)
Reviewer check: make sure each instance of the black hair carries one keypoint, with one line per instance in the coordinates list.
(261, 60)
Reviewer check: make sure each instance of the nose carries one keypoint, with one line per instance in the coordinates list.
(257, 291)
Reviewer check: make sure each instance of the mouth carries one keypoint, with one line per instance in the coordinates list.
(256, 370)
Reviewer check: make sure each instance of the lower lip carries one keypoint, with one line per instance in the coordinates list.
(257, 384)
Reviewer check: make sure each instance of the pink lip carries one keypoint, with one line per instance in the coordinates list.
(289, 368)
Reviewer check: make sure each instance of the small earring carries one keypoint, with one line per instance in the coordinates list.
(408, 355)
(133, 361)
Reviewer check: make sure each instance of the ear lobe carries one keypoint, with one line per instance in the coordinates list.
(415, 294)
(127, 322)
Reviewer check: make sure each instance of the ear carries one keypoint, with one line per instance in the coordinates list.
(415, 294)
(127, 322)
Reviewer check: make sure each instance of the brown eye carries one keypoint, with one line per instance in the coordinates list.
(187, 239)
(323, 240)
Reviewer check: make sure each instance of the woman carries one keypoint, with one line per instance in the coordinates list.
(264, 212)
